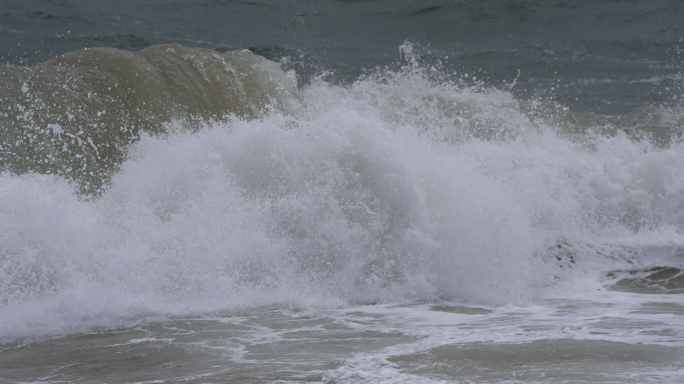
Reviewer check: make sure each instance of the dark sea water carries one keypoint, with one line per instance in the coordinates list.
(598, 56)
(341, 191)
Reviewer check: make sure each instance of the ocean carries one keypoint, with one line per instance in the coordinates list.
(341, 191)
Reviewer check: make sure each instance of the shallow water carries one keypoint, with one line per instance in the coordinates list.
(568, 340)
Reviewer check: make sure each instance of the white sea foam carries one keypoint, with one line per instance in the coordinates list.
(394, 189)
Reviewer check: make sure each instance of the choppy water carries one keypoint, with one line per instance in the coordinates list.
(461, 192)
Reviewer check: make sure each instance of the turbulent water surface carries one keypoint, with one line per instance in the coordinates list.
(341, 191)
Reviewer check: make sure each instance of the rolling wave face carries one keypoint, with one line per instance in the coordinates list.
(76, 114)
(396, 189)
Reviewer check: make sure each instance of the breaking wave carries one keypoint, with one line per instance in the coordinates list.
(176, 182)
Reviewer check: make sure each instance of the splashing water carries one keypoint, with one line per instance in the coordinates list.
(126, 200)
